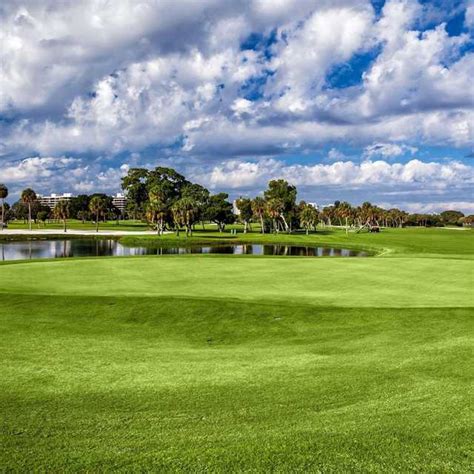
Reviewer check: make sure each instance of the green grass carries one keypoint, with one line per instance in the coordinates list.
(411, 241)
(129, 225)
(221, 363)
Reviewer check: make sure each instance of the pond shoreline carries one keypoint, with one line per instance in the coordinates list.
(33, 249)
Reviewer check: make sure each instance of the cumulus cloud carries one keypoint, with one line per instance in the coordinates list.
(62, 174)
(387, 150)
(35, 168)
(335, 155)
(236, 174)
(229, 81)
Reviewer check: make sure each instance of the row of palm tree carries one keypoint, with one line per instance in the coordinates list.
(97, 206)
(172, 202)
(61, 211)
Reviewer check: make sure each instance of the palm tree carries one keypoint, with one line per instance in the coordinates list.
(308, 217)
(97, 206)
(274, 209)
(244, 205)
(184, 214)
(157, 209)
(61, 211)
(258, 208)
(344, 211)
(3, 196)
(28, 196)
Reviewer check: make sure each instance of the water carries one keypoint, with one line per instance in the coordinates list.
(31, 249)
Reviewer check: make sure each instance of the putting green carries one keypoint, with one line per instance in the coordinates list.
(354, 282)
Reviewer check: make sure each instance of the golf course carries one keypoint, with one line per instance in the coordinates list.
(213, 363)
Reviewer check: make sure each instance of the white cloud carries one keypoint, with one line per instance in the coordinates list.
(467, 207)
(469, 15)
(329, 36)
(236, 174)
(387, 150)
(62, 174)
(31, 169)
(336, 155)
(111, 77)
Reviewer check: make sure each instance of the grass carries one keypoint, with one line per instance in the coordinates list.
(128, 225)
(221, 363)
(413, 241)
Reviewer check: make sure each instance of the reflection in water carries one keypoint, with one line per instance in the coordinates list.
(32, 249)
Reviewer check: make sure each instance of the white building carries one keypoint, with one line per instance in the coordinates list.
(119, 201)
(54, 198)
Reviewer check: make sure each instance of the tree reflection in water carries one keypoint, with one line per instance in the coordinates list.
(32, 249)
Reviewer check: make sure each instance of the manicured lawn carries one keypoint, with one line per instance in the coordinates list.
(129, 225)
(438, 242)
(218, 363)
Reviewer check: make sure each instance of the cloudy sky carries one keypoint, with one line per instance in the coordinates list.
(347, 99)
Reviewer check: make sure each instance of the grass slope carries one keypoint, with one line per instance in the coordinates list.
(413, 241)
(240, 363)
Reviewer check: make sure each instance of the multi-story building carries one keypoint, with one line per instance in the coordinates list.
(54, 198)
(119, 201)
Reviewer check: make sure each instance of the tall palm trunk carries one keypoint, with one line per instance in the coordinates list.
(261, 223)
(3, 213)
(97, 222)
(65, 225)
(29, 215)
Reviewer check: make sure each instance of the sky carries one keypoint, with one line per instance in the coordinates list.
(346, 99)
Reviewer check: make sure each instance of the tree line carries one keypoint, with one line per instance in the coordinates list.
(166, 200)
(95, 207)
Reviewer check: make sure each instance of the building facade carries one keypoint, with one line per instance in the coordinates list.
(119, 201)
(53, 199)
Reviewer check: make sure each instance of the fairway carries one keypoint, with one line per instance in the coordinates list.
(218, 363)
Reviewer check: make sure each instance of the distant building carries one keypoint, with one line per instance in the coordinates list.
(119, 201)
(53, 199)
(235, 209)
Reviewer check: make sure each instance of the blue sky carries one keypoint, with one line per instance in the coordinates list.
(347, 99)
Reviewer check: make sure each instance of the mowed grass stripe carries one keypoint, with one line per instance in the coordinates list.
(348, 282)
(94, 383)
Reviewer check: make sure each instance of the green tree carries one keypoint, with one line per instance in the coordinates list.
(200, 195)
(83, 215)
(3, 196)
(279, 191)
(244, 205)
(135, 186)
(61, 211)
(79, 207)
(220, 211)
(98, 207)
(451, 217)
(28, 197)
(42, 216)
(345, 212)
(156, 212)
(308, 216)
(169, 181)
(184, 214)
(259, 209)
(275, 209)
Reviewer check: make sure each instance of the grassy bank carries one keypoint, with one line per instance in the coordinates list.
(217, 363)
(393, 242)
(128, 225)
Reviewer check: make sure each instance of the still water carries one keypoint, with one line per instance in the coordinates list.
(21, 250)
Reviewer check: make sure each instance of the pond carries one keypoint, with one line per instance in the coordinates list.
(31, 249)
